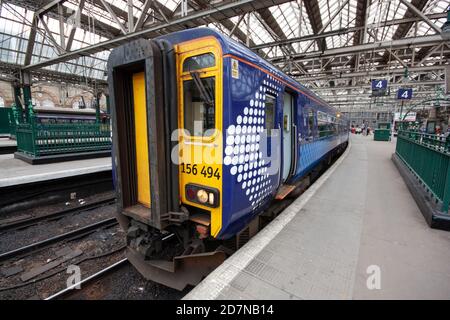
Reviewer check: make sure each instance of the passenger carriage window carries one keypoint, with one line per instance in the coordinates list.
(199, 105)
(270, 114)
(326, 124)
(202, 61)
(322, 127)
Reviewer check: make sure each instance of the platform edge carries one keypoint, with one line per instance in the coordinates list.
(211, 287)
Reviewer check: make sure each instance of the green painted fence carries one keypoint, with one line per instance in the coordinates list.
(382, 135)
(38, 139)
(428, 156)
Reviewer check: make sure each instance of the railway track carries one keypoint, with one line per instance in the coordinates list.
(102, 273)
(19, 224)
(77, 233)
(22, 197)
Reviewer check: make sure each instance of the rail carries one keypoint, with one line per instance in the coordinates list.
(77, 233)
(15, 224)
(428, 157)
(102, 273)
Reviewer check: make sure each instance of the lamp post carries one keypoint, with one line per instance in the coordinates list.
(401, 117)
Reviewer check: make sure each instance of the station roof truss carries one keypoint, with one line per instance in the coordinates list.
(333, 47)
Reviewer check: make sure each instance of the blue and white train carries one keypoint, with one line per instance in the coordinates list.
(248, 135)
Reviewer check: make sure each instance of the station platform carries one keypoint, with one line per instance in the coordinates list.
(15, 172)
(356, 233)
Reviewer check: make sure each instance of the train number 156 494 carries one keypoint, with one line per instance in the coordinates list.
(206, 171)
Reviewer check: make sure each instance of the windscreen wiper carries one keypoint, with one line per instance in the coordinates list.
(201, 88)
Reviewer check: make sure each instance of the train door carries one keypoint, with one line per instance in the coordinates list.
(140, 129)
(288, 126)
(200, 105)
(143, 104)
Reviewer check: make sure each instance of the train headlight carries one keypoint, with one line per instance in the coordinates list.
(203, 195)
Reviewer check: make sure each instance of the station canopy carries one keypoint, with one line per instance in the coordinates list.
(333, 47)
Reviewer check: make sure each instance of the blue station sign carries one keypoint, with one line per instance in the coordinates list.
(379, 85)
(404, 94)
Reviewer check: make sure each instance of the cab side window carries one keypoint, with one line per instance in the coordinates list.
(199, 96)
(199, 106)
(201, 61)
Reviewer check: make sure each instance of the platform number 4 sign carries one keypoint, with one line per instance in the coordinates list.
(379, 87)
(404, 94)
(379, 84)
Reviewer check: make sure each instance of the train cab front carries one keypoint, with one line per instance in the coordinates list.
(166, 105)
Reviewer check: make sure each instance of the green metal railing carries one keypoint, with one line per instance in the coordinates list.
(382, 132)
(14, 119)
(43, 139)
(428, 157)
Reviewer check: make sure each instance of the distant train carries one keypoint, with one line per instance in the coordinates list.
(248, 135)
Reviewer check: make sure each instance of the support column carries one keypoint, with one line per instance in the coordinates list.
(97, 106)
(25, 78)
(432, 114)
(108, 106)
(18, 101)
(17, 95)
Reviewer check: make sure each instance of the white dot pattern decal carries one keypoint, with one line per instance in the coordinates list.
(242, 155)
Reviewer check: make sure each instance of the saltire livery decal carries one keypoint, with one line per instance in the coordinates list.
(243, 155)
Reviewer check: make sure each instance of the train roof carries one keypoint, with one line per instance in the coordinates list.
(230, 46)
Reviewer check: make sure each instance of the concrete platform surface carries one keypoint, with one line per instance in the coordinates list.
(357, 233)
(7, 142)
(16, 172)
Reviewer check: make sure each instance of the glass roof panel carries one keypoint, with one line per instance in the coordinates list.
(257, 31)
(343, 14)
(291, 17)
(434, 6)
(384, 10)
(294, 21)
(170, 4)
